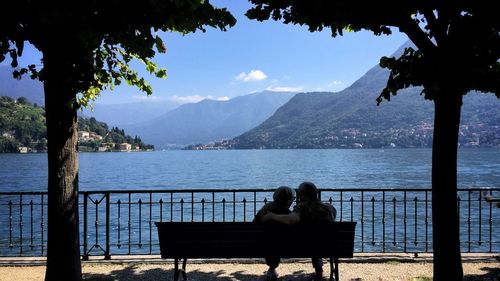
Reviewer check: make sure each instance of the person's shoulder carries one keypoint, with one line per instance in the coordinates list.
(300, 206)
(329, 206)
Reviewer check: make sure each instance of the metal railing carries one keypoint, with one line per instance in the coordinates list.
(122, 222)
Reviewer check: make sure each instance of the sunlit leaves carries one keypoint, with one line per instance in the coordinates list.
(105, 39)
(112, 67)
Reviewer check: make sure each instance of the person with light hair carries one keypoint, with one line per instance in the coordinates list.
(283, 198)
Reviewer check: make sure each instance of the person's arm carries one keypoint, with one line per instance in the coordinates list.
(292, 218)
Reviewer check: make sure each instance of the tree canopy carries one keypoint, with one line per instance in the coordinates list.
(103, 37)
(457, 51)
(461, 35)
(87, 47)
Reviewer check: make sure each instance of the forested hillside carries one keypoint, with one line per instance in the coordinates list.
(22, 124)
(22, 129)
(352, 119)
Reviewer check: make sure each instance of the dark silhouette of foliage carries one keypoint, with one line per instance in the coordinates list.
(458, 47)
(87, 47)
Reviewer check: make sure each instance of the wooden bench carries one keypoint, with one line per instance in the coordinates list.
(183, 240)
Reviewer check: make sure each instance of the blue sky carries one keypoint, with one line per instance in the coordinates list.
(254, 56)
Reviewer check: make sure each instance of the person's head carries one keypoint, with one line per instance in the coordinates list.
(283, 196)
(308, 192)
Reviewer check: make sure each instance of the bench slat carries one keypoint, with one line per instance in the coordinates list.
(245, 239)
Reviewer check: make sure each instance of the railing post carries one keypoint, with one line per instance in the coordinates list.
(192, 206)
(140, 222)
(10, 224)
(491, 227)
(416, 217)
(244, 209)
(373, 220)
(480, 242)
(21, 224)
(223, 209)
(234, 206)
(107, 255)
(383, 221)
(394, 200)
(118, 203)
(362, 221)
(31, 224)
(42, 222)
(341, 206)
(426, 221)
(202, 209)
(85, 255)
(150, 223)
(404, 221)
(469, 221)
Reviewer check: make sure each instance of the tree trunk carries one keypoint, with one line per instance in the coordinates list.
(63, 249)
(445, 219)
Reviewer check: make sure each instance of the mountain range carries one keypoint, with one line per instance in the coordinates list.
(209, 120)
(352, 119)
(113, 114)
(346, 119)
(127, 114)
(168, 124)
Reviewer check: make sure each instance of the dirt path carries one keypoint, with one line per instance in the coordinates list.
(296, 271)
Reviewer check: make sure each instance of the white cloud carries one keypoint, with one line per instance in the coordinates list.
(335, 83)
(224, 98)
(196, 98)
(147, 98)
(284, 89)
(187, 99)
(252, 76)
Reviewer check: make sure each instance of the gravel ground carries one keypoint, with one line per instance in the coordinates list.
(227, 271)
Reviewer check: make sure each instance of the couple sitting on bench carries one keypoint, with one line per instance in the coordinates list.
(309, 209)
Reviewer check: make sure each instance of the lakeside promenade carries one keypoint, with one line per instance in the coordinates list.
(363, 267)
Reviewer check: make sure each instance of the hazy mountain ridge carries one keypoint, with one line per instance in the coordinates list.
(127, 114)
(113, 114)
(26, 87)
(210, 120)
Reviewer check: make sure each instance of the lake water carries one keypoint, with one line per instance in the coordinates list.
(177, 169)
(390, 220)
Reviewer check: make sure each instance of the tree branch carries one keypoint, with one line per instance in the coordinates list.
(417, 36)
(435, 26)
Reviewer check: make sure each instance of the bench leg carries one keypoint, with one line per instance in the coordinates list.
(181, 271)
(184, 277)
(334, 270)
(331, 268)
(176, 269)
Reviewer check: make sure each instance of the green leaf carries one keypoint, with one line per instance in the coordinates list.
(160, 46)
(162, 73)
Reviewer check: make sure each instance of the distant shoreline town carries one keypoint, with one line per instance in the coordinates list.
(23, 130)
(420, 136)
(92, 142)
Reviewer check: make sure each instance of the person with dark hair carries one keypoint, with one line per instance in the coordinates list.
(309, 209)
(283, 198)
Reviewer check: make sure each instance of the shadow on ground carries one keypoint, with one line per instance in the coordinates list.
(492, 274)
(129, 273)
